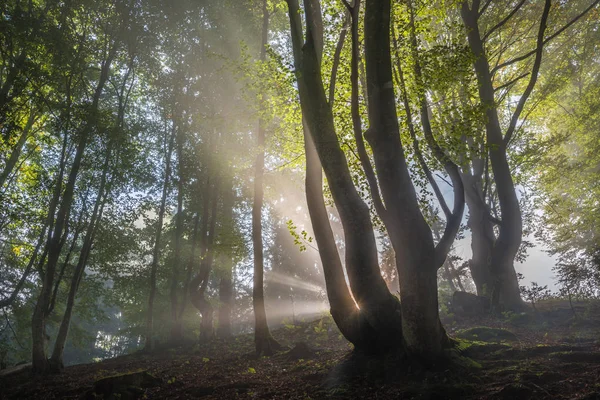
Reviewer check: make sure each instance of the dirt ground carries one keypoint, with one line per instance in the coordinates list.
(549, 354)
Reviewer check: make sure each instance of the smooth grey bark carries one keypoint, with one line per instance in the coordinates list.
(411, 237)
(199, 283)
(377, 306)
(506, 246)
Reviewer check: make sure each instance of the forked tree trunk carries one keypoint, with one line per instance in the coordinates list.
(378, 308)
(263, 341)
(380, 325)
(506, 246)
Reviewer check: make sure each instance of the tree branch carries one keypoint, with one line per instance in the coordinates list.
(504, 21)
(511, 82)
(548, 39)
(534, 73)
(453, 220)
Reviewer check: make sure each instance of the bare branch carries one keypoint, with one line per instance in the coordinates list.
(504, 21)
(548, 39)
(511, 82)
(534, 73)
(336, 59)
(484, 8)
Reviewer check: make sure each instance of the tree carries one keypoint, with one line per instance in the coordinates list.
(498, 139)
(377, 316)
(263, 340)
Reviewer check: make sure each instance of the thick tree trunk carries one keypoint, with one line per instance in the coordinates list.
(410, 235)
(506, 246)
(149, 339)
(379, 308)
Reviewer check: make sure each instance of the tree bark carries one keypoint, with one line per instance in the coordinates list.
(176, 323)
(54, 245)
(506, 246)
(226, 270)
(57, 360)
(263, 341)
(16, 151)
(378, 307)
(199, 284)
(149, 339)
(410, 235)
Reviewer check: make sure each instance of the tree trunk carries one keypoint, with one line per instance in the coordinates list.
(16, 151)
(506, 246)
(263, 341)
(377, 306)
(226, 270)
(176, 323)
(10, 299)
(150, 342)
(56, 360)
(54, 245)
(199, 284)
(482, 236)
(410, 235)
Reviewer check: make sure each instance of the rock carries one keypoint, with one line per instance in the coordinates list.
(470, 304)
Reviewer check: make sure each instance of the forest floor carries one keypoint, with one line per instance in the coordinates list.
(549, 354)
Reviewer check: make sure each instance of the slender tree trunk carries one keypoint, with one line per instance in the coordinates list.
(226, 281)
(482, 243)
(176, 327)
(16, 151)
(190, 267)
(54, 245)
(264, 342)
(10, 299)
(56, 360)
(506, 246)
(199, 284)
(149, 340)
